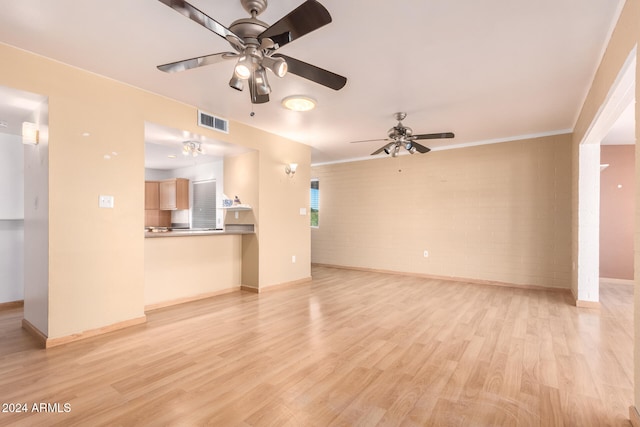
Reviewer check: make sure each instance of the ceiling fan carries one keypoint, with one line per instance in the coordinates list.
(255, 44)
(402, 136)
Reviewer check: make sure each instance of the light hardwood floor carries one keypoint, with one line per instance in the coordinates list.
(349, 348)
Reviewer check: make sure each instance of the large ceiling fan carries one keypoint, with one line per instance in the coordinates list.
(402, 136)
(255, 44)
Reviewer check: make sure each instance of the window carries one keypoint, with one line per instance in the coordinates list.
(315, 202)
(204, 204)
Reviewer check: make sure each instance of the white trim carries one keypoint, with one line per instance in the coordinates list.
(507, 139)
(588, 256)
(354, 159)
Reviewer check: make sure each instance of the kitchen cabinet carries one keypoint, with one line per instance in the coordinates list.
(174, 194)
(151, 195)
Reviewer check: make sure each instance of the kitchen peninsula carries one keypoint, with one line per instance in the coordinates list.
(201, 263)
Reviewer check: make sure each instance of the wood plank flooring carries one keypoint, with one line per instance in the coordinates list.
(349, 348)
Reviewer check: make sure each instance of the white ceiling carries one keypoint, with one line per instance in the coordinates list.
(489, 70)
(623, 130)
(16, 107)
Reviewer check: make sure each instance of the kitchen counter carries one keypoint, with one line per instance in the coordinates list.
(242, 229)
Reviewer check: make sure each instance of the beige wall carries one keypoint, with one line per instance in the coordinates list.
(96, 256)
(497, 212)
(244, 185)
(617, 208)
(624, 38)
(280, 198)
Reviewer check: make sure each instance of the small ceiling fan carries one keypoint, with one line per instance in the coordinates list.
(402, 136)
(255, 44)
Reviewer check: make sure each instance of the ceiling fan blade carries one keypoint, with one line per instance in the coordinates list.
(307, 17)
(434, 135)
(379, 150)
(313, 73)
(420, 148)
(255, 97)
(369, 140)
(200, 17)
(200, 61)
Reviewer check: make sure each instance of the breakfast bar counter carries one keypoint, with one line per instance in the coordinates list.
(229, 229)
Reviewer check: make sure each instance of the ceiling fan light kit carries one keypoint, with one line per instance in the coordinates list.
(402, 136)
(278, 66)
(236, 83)
(247, 64)
(255, 44)
(262, 85)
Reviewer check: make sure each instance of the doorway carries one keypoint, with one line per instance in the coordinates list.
(620, 97)
(24, 209)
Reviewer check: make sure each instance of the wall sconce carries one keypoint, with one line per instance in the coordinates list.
(30, 134)
(290, 169)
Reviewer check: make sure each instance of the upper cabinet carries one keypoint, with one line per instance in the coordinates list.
(11, 177)
(174, 194)
(151, 195)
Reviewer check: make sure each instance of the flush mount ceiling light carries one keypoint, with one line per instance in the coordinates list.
(192, 148)
(299, 103)
(255, 44)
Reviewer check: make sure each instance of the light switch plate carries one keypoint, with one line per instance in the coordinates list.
(303, 211)
(106, 202)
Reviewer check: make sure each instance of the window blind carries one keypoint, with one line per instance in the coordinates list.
(204, 204)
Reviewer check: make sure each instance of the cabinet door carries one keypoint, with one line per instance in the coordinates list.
(182, 193)
(151, 195)
(168, 195)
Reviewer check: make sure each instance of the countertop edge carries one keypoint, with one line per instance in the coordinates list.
(151, 235)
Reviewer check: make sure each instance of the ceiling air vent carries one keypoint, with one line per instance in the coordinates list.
(210, 121)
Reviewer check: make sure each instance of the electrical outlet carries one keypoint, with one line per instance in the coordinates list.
(106, 202)
(293, 259)
(426, 254)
